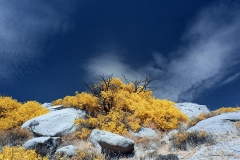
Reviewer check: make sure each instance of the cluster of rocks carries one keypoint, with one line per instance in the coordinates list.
(49, 128)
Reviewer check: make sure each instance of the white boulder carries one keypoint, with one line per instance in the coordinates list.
(105, 141)
(55, 123)
(222, 124)
(192, 109)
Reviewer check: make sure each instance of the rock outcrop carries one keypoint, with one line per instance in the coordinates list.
(192, 109)
(221, 125)
(56, 123)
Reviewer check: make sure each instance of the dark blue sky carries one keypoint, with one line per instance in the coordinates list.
(48, 48)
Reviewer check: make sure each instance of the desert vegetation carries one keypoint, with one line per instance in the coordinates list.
(118, 107)
(111, 105)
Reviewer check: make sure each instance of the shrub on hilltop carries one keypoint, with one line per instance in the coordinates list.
(13, 113)
(117, 107)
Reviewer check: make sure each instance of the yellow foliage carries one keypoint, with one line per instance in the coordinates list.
(14, 114)
(82, 101)
(121, 108)
(57, 102)
(84, 133)
(29, 110)
(112, 122)
(228, 109)
(19, 153)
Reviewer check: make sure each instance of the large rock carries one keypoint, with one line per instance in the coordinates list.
(43, 145)
(109, 142)
(145, 132)
(55, 123)
(222, 124)
(192, 109)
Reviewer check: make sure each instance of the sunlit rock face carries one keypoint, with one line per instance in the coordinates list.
(192, 109)
(56, 123)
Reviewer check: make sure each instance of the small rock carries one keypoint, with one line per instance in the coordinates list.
(153, 146)
(171, 133)
(106, 141)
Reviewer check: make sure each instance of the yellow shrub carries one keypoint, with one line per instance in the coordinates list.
(57, 102)
(129, 109)
(228, 109)
(14, 113)
(84, 133)
(30, 110)
(19, 153)
(112, 122)
(82, 101)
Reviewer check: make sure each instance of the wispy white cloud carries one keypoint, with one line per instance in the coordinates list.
(211, 52)
(24, 27)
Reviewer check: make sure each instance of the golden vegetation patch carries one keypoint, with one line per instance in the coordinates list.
(13, 113)
(117, 107)
(227, 109)
(19, 153)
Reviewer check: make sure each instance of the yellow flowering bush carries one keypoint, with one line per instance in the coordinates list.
(19, 153)
(121, 107)
(13, 113)
(57, 102)
(82, 101)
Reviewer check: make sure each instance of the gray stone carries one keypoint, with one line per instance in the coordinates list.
(153, 146)
(55, 123)
(144, 132)
(192, 109)
(105, 141)
(171, 133)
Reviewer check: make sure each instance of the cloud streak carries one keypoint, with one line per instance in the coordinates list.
(24, 28)
(208, 58)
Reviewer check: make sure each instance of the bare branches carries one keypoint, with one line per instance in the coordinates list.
(141, 85)
(106, 84)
